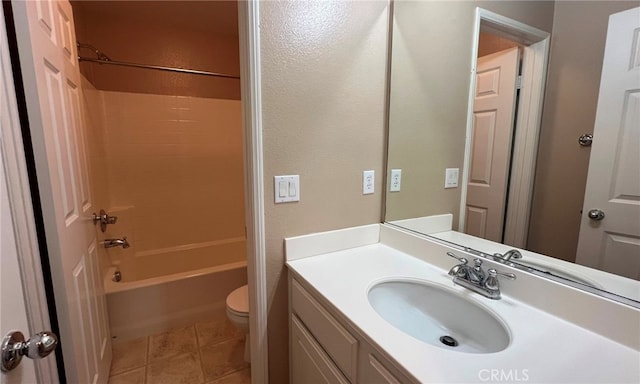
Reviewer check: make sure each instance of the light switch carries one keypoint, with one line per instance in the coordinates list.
(286, 188)
(396, 178)
(293, 188)
(368, 182)
(451, 177)
(283, 188)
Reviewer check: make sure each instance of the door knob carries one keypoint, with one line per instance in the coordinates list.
(596, 214)
(14, 347)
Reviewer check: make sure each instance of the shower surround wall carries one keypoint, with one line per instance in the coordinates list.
(170, 167)
(173, 168)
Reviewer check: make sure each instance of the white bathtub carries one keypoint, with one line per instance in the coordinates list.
(168, 289)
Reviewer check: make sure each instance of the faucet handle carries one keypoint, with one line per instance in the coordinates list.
(458, 269)
(494, 273)
(460, 259)
(492, 282)
(104, 219)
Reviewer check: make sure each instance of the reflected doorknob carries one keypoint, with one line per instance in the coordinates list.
(586, 140)
(596, 214)
(14, 347)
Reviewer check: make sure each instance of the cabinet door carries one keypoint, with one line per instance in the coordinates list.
(376, 373)
(310, 364)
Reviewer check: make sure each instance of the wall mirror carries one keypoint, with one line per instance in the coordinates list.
(493, 175)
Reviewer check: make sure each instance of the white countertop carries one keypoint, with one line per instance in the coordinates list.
(543, 348)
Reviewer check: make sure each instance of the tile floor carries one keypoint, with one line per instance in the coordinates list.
(208, 353)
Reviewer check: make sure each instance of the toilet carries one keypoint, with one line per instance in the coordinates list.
(238, 314)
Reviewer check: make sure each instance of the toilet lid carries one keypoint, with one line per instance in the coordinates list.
(238, 300)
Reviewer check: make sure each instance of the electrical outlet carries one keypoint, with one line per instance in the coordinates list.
(451, 177)
(396, 178)
(368, 182)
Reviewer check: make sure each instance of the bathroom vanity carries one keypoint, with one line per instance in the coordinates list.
(375, 304)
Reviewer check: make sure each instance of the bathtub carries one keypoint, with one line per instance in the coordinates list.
(165, 289)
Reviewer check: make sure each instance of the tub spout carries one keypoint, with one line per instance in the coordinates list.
(110, 243)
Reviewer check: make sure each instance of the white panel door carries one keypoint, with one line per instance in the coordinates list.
(613, 182)
(23, 302)
(47, 47)
(13, 312)
(493, 118)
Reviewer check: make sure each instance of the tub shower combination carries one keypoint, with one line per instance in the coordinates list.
(158, 148)
(167, 290)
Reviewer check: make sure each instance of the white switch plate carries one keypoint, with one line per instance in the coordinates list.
(396, 179)
(451, 177)
(286, 188)
(368, 181)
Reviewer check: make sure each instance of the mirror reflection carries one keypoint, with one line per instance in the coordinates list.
(517, 171)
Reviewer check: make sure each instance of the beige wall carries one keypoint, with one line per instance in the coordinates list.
(577, 47)
(171, 168)
(430, 69)
(323, 84)
(160, 33)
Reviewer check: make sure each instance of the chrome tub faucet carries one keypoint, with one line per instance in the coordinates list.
(110, 243)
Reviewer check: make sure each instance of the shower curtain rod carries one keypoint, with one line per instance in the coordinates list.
(157, 67)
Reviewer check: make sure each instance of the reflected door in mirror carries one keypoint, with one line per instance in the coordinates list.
(611, 242)
(493, 121)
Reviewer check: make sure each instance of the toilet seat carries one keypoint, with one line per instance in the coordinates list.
(238, 301)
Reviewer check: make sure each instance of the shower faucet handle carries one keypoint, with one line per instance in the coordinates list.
(104, 219)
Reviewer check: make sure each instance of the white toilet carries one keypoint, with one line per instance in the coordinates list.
(238, 314)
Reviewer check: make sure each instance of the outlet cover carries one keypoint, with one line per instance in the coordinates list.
(451, 177)
(368, 182)
(396, 179)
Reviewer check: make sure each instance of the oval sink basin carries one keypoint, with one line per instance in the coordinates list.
(439, 316)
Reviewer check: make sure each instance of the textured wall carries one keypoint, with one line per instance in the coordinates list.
(323, 83)
(430, 69)
(571, 99)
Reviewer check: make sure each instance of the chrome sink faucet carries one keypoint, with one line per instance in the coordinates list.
(510, 254)
(476, 279)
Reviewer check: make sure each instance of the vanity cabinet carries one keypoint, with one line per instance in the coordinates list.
(324, 349)
(309, 362)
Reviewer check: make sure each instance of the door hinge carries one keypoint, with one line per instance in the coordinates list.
(519, 82)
